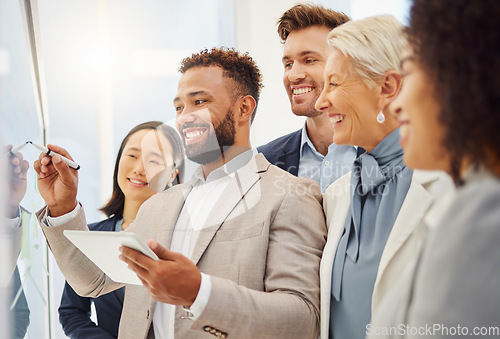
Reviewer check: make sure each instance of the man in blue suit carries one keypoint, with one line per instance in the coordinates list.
(308, 152)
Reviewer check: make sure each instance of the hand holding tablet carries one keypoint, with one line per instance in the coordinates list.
(102, 248)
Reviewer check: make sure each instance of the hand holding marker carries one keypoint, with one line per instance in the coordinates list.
(51, 153)
(17, 148)
(45, 150)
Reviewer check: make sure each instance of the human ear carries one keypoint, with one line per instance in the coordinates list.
(390, 86)
(172, 177)
(246, 108)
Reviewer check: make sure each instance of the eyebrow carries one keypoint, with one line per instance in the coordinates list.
(132, 149)
(406, 59)
(156, 154)
(303, 53)
(193, 94)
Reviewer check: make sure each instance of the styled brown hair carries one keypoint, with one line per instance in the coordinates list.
(238, 67)
(117, 201)
(454, 41)
(304, 15)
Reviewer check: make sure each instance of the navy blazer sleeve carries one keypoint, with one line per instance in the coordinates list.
(74, 316)
(75, 311)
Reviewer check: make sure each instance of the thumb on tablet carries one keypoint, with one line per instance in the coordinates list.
(159, 250)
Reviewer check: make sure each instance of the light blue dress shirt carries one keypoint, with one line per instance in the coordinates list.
(324, 169)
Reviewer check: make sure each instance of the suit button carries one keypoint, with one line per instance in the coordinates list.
(206, 328)
(147, 317)
(223, 335)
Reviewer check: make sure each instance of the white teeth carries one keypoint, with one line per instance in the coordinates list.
(337, 118)
(404, 130)
(193, 134)
(303, 90)
(136, 182)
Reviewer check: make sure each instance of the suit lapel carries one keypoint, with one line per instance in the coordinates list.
(336, 204)
(245, 178)
(415, 206)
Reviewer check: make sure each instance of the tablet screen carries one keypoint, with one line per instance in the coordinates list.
(102, 248)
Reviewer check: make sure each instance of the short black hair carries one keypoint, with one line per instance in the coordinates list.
(239, 67)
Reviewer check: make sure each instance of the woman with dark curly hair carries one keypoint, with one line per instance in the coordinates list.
(449, 112)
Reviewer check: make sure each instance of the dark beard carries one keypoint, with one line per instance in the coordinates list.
(224, 133)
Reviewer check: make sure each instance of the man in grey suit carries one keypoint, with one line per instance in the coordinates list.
(239, 244)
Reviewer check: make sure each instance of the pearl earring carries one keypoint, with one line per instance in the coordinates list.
(380, 117)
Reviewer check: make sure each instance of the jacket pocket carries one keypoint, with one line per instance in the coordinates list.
(238, 234)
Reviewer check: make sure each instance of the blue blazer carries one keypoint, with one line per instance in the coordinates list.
(284, 152)
(74, 311)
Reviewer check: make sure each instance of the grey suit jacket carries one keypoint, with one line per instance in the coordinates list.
(389, 308)
(458, 277)
(262, 251)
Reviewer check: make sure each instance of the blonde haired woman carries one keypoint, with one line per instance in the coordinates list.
(376, 214)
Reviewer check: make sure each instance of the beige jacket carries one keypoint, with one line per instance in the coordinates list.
(262, 251)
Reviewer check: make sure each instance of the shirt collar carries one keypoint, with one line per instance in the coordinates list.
(228, 169)
(118, 225)
(304, 140)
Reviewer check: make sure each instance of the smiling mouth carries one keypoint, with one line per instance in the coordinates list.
(137, 182)
(193, 134)
(302, 90)
(404, 129)
(336, 118)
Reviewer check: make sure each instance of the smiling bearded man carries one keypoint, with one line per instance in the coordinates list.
(212, 146)
(239, 244)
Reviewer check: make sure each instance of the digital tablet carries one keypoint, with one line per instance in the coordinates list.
(102, 247)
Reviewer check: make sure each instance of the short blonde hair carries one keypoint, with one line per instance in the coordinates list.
(373, 45)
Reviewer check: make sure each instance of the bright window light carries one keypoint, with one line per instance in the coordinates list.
(158, 62)
(100, 59)
(4, 62)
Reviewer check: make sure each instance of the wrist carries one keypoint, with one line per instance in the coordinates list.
(196, 308)
(58, 210)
